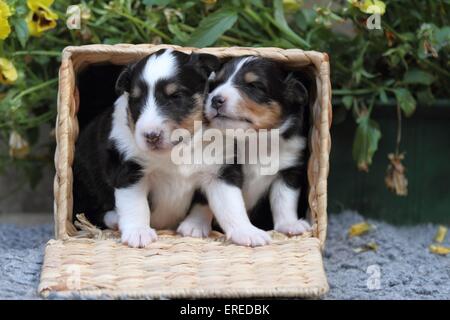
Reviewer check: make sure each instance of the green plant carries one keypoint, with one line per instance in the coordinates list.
(406, 61)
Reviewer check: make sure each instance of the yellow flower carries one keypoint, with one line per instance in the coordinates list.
(5, 28)
(292, 5)
(8, 73)
(40, 18)
(369, 6)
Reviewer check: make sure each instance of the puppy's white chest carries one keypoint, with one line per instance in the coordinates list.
(170, 198)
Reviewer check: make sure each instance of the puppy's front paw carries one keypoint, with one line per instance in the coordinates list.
(138, 237)
(249, 236)
(293, 228)
(194, 228)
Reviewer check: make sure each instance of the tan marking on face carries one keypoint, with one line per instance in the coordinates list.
(135, 92)
(171, 88)
(250, 77)
(195, 115)
(262, 116)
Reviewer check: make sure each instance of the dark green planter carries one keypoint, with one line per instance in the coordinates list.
(426, 140)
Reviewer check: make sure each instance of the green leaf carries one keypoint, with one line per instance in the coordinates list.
(383, 96)
(443, 37)
(21, 29)
(212, 27)
(176, 31)
(417, 76)
(156, 2)
(425, 97)
(21, 9)
(347, 101)
(282, 24)
(366, 141)
(405, 100)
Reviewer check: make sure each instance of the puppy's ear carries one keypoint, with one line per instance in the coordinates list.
(204, 62)
(295, 92)
(123, 83)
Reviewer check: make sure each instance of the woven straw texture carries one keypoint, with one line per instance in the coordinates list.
(175, 266)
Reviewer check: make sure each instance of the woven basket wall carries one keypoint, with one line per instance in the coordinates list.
(92, 263)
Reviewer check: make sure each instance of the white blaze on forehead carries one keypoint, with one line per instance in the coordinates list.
(239, 67)
(157, 68)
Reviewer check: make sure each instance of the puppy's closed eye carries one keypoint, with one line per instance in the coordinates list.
(253, 81)
(258, 85)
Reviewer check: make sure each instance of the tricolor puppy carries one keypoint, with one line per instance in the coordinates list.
(123, 168)
(256, 93)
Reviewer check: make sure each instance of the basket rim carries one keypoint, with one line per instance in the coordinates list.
(131, 48)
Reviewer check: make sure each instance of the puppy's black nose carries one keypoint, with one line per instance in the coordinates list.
(217, 102)
(153, 138)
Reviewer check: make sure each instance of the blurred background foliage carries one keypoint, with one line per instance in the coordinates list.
(402, 64)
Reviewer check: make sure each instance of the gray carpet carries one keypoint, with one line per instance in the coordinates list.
(402, 268)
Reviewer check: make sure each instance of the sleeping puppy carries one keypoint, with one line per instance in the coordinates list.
(124, 168)
(256, 93)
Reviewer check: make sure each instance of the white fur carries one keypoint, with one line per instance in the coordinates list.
(228, 206)
(151, 120)
(134, 215)
(120, 131)
(283, 202)
(198, 223)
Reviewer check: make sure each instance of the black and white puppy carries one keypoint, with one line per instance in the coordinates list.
(256, 93)
(123, 167)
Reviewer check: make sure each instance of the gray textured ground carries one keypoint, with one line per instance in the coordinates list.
(406, 269)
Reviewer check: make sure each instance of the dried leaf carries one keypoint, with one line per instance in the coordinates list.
(359, 229)
(395, 179)
(371, 246)
(19, 148)
(390, 36)
(441, 250)
(440, 234)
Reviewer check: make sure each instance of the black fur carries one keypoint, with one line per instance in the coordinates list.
(98, 168)
(232, 174)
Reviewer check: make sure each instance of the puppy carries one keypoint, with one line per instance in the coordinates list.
(124, 168)
(256, 93)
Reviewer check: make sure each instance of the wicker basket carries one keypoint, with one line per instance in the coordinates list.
(92, 263)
